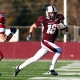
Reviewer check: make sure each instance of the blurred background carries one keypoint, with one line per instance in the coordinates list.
(23, 13)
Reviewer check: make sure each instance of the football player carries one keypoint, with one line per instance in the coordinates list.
(3, 36)
(52, 23)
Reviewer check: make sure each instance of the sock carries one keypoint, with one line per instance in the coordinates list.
(54, 60)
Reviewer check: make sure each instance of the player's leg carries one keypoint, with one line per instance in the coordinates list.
(1, 57)
(53, 48)
(54, 60)
(36, 57)
(57, 51)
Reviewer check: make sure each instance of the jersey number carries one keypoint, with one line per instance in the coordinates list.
(51, 29)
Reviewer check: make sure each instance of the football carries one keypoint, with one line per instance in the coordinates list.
(1, 55)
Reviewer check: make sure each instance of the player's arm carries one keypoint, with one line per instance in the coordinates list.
(62, 26)
(3, 36)
(36, 24)
(29, 37)
(13, 31)
(6, 38)
(32, 27)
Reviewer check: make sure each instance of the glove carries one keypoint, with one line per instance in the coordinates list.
(29, 37)
(63, 27)
(13, 30)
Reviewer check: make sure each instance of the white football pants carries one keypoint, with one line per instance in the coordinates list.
(46, 46)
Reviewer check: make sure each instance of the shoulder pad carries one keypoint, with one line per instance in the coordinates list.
(60, 16)
(41, 18)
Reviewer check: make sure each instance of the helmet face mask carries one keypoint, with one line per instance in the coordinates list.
(51, 12)
(2, 18)
(52, 15)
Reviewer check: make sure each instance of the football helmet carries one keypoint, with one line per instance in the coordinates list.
(1, 55)
(2, 18)
(51, 9)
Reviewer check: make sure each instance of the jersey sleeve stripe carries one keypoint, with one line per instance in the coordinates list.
(2, 30)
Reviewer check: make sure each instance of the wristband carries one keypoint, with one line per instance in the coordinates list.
(12, 33)
(30, 33)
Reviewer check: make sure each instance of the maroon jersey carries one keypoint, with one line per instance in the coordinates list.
(2, 28)
(50, 31)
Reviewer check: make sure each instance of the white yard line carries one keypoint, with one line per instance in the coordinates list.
(54, 78)
(41, 60)
(64, 73)
(69, 69)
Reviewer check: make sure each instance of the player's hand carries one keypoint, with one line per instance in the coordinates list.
(61, 26)
(13, 30)
(29, 37)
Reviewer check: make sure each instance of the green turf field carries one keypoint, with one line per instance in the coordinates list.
(68, 70)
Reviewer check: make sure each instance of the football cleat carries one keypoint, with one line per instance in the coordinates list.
(0, 73)
(52, 72)
(16, 71)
